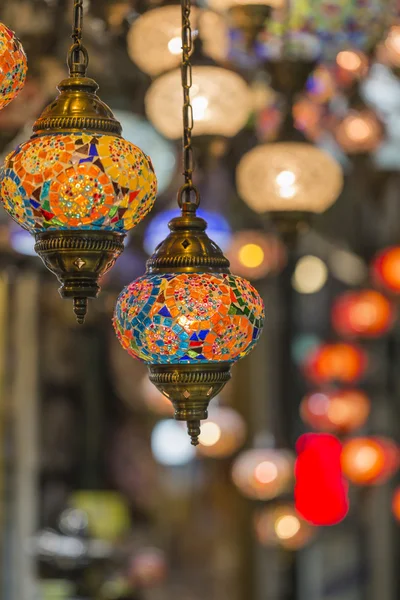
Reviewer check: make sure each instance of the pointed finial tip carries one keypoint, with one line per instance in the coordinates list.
(194, 432)
(80, 309)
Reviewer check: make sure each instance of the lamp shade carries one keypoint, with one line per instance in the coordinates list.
(360, 131)
(254, 254)
(13, 66)
(159, 31)
(222, 434)
(188, 318)
(364, 313)
(336, 411)
(369, 460)
(386, 269)
(341, 362)
(282, 526)
(288, 176)
(221, 102)
(263, 474)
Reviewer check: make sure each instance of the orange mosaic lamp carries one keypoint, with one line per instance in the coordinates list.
(13, 66)
(77, 185)
(188, 318)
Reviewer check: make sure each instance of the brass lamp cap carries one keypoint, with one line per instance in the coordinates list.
(77, 108)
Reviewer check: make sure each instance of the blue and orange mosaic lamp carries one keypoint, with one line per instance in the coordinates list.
(188, 318)
(77, 185)
(13, 66)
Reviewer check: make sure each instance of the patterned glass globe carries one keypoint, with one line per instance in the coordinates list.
(189, 318)
(13, 66)
(77, 181)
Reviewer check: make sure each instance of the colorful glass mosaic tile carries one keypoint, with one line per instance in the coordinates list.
(78, 181)
(189, 318)
(13, 66)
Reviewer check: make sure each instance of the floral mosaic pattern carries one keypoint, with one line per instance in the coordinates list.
(78, 181)
(189, 318)
(13, 66)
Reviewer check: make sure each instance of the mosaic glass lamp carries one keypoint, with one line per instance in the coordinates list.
(77, 185)
(13, 66)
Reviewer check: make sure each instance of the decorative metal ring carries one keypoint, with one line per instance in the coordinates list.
(81, 49)
(187, 188)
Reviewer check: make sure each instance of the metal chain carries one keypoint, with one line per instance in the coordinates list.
(78, 58)
(184, 193)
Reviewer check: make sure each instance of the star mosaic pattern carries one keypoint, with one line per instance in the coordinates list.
(189, 318)
(13, 66)
(77, 181)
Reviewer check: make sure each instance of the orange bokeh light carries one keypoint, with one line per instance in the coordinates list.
(282, 526)
(337, 411)
(263, 474)
(386, 269)
(362, 313)
(360, 131)
(369, 460)
(342, 362)
(396, 504)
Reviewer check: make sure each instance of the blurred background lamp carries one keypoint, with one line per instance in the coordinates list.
(21, 240)
(396, 504)
(282, 526)
(363, 313)
(155, 401)
(340, 362)
(359, 132)
(288, 176)
(369, 460)
(218, 229)
(140, 132)
(263, 474)
(321, 85)
(310, 275)
(159, 31)
(148, 568)
(354, 62)
(221, 102)
(386, 269)
(389, 50)
(170, 444)
(223, 433)
(254, 254)
(335, 411)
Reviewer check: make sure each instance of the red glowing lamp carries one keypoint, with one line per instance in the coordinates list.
(320, 490)
(396, 504)
(386, 269)
(335, 411)
(369, 460)
(342, 362)
(365, 313)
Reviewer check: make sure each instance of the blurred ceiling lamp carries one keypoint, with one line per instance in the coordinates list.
(148, 568)
(218, 228)
(386, 269)
(159, 32)
(370, 460)
(254, 254)
(77, 185)
(310, 275)
(140, 132)
(389, 51)
(360, 131)
(263, 474)
(221, 102)
(396, 504)
(13, 66)
(321, 492)
(307, 116)
(336, 411)
(354, 63)
(155, 400)
(364, 313)
(341, 362)
(288, 177)
(170, 444)
(222, 434)
(282, 526)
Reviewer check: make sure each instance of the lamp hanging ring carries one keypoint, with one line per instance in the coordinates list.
(78, 59)
(185, 193)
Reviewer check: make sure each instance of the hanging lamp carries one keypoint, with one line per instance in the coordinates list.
(13, 66)
(188, 318)
(77, 185)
